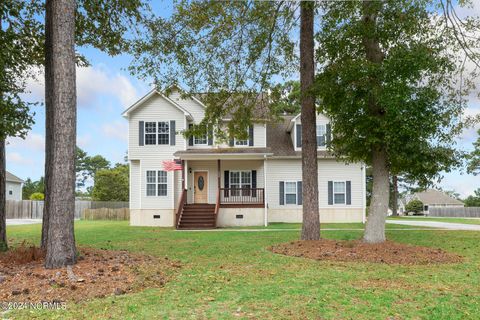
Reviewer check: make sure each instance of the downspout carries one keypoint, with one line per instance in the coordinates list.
(364, 194)
(265, 190)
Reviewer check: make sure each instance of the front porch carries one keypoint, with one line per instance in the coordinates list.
(219, 183)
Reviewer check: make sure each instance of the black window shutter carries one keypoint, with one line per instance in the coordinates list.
(226, 182)
(299, 135)
(250, 136)
(349, 192)
(190, 139)
(329, 133)
(231, 142)
(141, 133)
(282, 193)
(330, 192)
(254, 183)
(173, 132)
(210, 137)
(299, 193)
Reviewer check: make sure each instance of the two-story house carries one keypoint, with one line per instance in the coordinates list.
(247, 182)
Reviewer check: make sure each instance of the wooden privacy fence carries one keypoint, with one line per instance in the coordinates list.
(467, 212)
(28, 209)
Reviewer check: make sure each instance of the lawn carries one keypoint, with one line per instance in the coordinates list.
(231, 275)
(439, 219)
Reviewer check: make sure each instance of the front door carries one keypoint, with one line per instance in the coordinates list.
(200, 187)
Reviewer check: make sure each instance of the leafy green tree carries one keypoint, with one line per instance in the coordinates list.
(390, 85)
(30, 187)
(473, 200)
(474, 157)
(112, 184)
(21, 39)
(415, 206)
(37, 196)
(86, 166)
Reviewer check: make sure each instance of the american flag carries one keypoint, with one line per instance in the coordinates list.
(172, 165)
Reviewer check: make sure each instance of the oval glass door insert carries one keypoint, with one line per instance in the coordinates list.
(201, 183)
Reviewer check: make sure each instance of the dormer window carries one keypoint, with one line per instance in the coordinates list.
(321, 135)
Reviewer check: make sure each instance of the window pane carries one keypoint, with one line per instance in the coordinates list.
(200, 140)
(163, 136)
(151, 138)
(162, 189)
(321, 130)
(150, 189)
(241, 142)
(234, 177)
(339, 187)
(150, 127)
(246, 177)
(339, 198)
(291, 199)
(151, 176)
(290, 187)
(162, 176)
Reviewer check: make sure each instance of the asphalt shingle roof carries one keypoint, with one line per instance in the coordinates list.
(13, 178)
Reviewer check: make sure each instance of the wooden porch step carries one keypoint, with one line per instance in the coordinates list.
(197, 216)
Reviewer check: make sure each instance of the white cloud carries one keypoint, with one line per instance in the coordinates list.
(16, 158)
(116, 130)
(463, 184)
(32, 142)
(84, 141)
(93, 83)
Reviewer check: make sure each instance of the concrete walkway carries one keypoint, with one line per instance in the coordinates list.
(18, 222)
(437, 224)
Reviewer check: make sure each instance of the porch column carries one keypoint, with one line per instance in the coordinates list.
(183, 175)
(265, 191)
(218, 174)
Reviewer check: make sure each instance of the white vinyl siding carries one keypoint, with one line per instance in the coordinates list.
(16, 190)
(328, 170)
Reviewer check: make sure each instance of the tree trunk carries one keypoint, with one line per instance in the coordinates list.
(375, 226)
(395, 195)
(61, 123)
(311, 216)
(3, 194)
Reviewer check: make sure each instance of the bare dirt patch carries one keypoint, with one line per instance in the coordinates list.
(97, 274)
(358, 251)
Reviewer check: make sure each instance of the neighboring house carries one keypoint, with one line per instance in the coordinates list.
(430, 198)
(236, 183)
(13, 187)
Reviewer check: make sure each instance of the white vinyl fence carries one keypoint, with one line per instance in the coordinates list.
(467, 212)
(28, 209)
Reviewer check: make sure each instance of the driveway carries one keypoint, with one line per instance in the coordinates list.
(18, 222)
(436, 224)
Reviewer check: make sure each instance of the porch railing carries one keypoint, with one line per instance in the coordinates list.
(242, 196)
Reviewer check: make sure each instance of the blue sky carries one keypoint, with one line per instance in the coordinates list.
(105, 89)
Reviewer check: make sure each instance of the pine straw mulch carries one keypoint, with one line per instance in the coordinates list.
(97, 274)
(357, 251)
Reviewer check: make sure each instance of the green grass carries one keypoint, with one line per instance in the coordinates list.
(231, 275)
(451, 220)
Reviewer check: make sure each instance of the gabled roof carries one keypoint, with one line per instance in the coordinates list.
(432, 196)
(12, 178)
(153, 92)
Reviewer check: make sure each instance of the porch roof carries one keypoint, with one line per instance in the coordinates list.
(224, 153)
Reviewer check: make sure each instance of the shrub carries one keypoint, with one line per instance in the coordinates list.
(415, 206)
(37, 196)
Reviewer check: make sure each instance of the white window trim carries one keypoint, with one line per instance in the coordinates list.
(157, 132)
(285, 193)
(200, 144)
(344, 192)
(156, 183)
(240, 178)
(316, 134)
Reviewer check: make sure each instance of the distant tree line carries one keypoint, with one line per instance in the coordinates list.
(110, 183)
